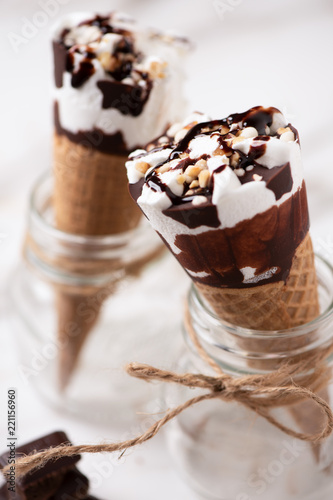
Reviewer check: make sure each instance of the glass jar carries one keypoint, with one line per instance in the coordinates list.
(224, 450)
(99, 286)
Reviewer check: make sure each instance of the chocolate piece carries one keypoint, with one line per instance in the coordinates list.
(4, 492)
(75, 486)
(128, 99)
(41, 483)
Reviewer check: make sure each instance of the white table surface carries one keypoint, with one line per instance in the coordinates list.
(247, 53)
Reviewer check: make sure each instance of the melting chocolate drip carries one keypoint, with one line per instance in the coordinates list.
(79, 77)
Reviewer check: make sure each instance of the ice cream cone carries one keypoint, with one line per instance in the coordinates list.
(229, 199)
(117, 85)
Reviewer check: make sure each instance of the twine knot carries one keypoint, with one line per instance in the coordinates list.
(258, 392)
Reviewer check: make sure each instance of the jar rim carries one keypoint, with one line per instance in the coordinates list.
(45, 181)
(81, 260)
(248, 333)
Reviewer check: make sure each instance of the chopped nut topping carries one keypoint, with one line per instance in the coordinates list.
(235, 159)
(224, 130)
(282, 130)
(181, 179)
(218, 151)
(108, 61)
(238, 139)
(142, 166)
(163, 168)
(257, 177)
(192, 171)
(202, 164)
(194, 184)
(156, 69)
(204, 178)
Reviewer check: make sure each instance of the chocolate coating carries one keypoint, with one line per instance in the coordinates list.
(96, 138)
(264, 245)
(266, 241)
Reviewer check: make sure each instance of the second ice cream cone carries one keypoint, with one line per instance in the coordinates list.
(117, 85)
(90, 198)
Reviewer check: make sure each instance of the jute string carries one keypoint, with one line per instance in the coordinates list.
(258, 392)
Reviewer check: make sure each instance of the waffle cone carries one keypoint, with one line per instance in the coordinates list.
(90, 191)
(90, 198)
(274, 306)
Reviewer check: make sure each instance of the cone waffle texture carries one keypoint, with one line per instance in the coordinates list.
(274, 306)
(90, 198)
(90, 192)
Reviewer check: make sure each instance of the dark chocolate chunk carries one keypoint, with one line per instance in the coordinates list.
(4, 492)
(127, 99)
(41, 483)
(74, 487)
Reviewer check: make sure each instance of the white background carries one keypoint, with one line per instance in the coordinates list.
(275, 53)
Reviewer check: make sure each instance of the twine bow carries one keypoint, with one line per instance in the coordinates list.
(259, 393)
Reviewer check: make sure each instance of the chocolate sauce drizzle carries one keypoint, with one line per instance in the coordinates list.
(278, 179)
(128, 99)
